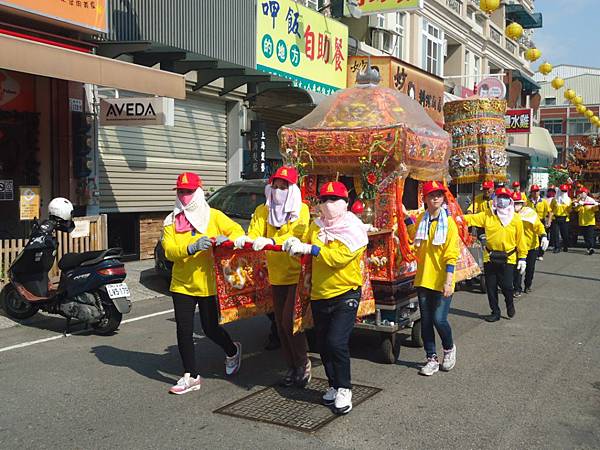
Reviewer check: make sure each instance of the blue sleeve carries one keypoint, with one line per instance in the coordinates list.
(450, 268)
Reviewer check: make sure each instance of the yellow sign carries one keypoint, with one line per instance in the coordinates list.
(298, 43)
(90, 14)
(29, 202)
(381, 6)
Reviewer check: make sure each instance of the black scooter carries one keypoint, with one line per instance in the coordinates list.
(91, 287)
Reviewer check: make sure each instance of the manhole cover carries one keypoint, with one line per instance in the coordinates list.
(300, 409)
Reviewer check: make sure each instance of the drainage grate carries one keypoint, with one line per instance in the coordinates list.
(300, 409)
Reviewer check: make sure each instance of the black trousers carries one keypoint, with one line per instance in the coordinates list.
(334, 320)
(588, 236)
(560, 225)
(499, 275)
(185, 309)
(529, 271)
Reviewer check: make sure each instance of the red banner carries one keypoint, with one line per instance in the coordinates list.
(518, 120)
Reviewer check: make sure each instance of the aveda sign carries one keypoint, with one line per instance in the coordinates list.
(137, 111)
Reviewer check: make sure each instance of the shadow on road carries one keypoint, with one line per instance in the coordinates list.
(154, 282)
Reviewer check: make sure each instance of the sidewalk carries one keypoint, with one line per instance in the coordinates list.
(143, 284)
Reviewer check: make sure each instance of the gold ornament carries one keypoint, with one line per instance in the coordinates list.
(489, 6)
(557, 83)
(545, 68)
(595, 120)
(581, 109)
(589, 114)
(533, 54)
(577, 100)
(514, 31)
(570, 94)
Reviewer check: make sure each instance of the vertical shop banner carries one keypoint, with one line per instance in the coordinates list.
(368, 7)
(518, 120)
(89, 14)
(29, 202)
(302, 45)
(258, 149)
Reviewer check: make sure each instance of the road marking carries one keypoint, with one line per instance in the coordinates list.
(53, 338)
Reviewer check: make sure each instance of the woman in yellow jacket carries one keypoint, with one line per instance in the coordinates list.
(560, 207)
(542, 209)
(188, 235)
(534, 234)
(281, 217)
(586, 208)
(436, 239)
(336, 241)
(505, 248)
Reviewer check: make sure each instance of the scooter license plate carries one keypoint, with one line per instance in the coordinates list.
(117, 290)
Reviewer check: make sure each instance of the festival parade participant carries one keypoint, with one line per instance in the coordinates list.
(542, 208)
(336, 241)
(561, 209)
(517, 188)
(505, 248)
(284, 215)
(534, 234)
(483, 201)
(436, 240)
(586, 208)
(188, 235)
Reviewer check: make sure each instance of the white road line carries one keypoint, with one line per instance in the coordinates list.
(53, 338)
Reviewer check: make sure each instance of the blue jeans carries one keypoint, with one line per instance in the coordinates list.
(434, 309)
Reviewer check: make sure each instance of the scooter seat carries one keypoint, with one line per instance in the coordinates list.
(72, 260)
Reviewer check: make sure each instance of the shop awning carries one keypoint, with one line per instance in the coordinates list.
(541, 149)
(518, 13)
(529, 84)
(23, 55)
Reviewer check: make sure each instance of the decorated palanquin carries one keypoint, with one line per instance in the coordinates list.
(478, 139)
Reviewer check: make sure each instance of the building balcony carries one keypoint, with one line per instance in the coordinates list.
(456, 6)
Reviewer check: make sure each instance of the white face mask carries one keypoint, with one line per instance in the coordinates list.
(502, 202)
(279, 196)
(333, 209)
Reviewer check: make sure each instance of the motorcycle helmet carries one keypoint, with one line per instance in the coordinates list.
(60, 207)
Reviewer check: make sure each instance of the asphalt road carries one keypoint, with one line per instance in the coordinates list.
(530, 382)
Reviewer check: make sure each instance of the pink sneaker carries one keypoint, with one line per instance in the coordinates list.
(186, 384)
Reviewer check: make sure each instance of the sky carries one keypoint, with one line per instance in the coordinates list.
(570, 32)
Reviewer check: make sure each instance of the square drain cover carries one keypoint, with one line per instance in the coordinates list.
(300, 409)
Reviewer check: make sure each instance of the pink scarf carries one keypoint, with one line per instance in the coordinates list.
(347, 228)
(283, 210)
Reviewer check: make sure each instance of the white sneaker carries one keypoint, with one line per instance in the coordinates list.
(233, 363)
(343, 401)
(329, 396)
(186, 384)
(540, 258)
(449, 359)
(431, 367)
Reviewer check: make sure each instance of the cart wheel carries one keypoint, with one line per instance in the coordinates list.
(390, 347)
(482, 283)
(415, 334)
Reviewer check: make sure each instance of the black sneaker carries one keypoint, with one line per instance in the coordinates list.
(303, 375)
(517, 294)
(527, 290)
(492, 318)
(288, 378)
(510, 310)
(590, 251)
(556, 250)
(565, 250)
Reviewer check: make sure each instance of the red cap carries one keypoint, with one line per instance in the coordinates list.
(564, 187)
(487, 185)
(517, 197)
(433, 186)
(535, 188)
(516, 184)
(583, 189)
(188, 180)
(333, 189)
(287, 173)
(503, 191)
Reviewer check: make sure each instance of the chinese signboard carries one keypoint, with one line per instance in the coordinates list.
(518, 120)
(258, 149)
(89, 14)
(421, 86)
(6, 190)
(137, 111)
(29, 202)
(382, 6)
(299, 44)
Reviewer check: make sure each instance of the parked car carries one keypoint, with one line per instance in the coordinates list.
(238, 200)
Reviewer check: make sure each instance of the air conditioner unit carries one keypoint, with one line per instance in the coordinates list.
(377, 21)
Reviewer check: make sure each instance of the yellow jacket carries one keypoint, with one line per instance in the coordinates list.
(532, 231)
(194, 274)
(586, 215)
(560, 210)
(541, 208)
(336, 269)
(500, 238)
(433, 260)
(479, 204)
(283, 268)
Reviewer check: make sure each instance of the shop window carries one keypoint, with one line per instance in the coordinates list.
(579, 127)
(550, 101)
(554, 126)
(433, 44)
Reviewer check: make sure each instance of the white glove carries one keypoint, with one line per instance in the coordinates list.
(241, 241)
(521, 266)
(260, 243)
(544, 243)
(289, 242)
(300, 249)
